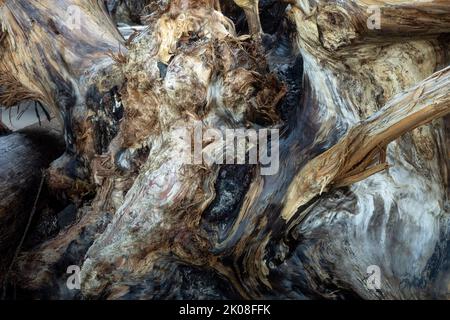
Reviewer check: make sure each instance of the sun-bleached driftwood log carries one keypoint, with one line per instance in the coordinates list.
(242, 75)
(363, 22)
(55, 60)
(383, 220)
(362, 151)
(158, 228)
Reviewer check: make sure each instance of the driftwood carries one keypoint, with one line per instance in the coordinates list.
(24, 156)
(363, 176)
(128, 11)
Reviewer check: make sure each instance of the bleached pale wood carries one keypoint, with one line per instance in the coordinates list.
(365, 142)
(51, 58)
(251, 9)
(350, 23)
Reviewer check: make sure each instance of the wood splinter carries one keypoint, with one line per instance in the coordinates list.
(251, 9)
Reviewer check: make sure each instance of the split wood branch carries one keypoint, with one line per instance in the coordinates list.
(349, 23)
(419, 105)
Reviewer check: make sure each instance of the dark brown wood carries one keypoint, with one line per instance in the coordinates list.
(23, 157)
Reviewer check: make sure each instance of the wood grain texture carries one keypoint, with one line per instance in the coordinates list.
(22, 160)
(348, 102)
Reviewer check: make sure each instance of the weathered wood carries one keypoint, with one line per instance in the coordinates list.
(128, 11)
(361, 22)
(365, 99)
(3, 127)
(394, 214)
(75, 47)
(23, 157)
(350, 160)
(251, 9)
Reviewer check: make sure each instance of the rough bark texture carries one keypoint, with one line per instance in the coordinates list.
(363, 176)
